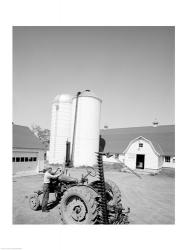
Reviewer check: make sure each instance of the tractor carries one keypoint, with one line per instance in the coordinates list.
(81, 202)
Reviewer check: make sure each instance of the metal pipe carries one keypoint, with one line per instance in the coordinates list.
(67, 162)
(75, 126)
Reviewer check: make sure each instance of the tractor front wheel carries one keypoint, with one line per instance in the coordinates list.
(34, 202)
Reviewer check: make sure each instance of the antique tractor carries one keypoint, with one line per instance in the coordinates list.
(80, 202)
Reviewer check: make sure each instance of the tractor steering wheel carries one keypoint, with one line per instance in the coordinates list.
(91, 171)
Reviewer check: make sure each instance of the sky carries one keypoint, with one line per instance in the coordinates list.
(130, 68)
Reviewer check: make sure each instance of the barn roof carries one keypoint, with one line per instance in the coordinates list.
(23, 137)
(162, 138)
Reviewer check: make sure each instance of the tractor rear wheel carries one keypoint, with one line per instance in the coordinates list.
(78, 206)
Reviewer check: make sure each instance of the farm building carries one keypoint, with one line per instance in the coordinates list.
(28, 151)
(144, 148)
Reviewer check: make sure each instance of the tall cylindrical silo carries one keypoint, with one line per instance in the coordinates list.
(60, 128)
(86, 139)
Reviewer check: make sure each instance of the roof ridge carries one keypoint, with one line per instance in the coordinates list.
(20, 125)
(168, 125)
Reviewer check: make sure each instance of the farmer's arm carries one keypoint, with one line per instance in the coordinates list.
(55, 171)
(54, 176)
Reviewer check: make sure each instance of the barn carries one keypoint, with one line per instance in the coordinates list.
(28, 151)
(146, 148)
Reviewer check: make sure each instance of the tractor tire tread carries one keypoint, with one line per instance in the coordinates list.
(87, 196)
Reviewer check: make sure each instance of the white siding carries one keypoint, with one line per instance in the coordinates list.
(151, 159)
(170, 164)
(31, 166)
(40, 162)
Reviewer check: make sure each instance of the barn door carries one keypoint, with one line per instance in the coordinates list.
(140, 159)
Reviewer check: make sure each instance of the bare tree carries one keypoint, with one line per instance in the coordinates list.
(42, 134)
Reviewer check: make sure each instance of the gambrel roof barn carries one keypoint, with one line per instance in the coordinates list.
(141, 144)
(162, 138)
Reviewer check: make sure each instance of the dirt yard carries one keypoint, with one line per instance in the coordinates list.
(151, 199)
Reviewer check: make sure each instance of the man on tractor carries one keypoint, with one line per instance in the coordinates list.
(46, 186)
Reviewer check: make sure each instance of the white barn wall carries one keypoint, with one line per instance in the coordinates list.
(40, 162)
(160, 161)
(170, 164)
(130, 160)
(151, 159)
(33, 166)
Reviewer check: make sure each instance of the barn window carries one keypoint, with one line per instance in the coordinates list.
(22, 159)
(167, 158)
(13, 159)
(140, 145)
(17, 159)
(34, 159)
(26, 158)
(30, 159)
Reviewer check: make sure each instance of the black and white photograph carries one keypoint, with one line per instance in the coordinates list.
(93, 126)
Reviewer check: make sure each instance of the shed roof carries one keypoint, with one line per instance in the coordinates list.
(23, 137)
(162, 138)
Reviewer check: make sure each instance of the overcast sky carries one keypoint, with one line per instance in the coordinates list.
(130, 68)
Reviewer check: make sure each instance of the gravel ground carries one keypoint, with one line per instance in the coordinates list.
(151, 199)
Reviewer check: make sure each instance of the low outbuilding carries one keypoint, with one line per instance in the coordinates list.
(28, 152)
